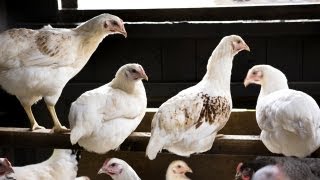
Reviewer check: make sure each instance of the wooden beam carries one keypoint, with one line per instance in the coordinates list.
(303, 11)
(69, 4)
(137, 141)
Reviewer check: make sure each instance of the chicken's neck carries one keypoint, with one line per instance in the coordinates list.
(88, 43)
(219, 69)
(176, 177)
(130, 87)
(272, 86)
(127, 175)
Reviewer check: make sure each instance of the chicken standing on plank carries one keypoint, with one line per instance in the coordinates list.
(177, 170)
(118, 169)
(39, 63)
(289, 120)
(61, 165)
(188, 122)
(101, 119)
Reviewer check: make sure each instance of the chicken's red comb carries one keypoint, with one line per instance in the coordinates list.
(106, 161)
(239, 166)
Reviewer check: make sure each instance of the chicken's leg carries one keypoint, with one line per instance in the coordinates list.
(57, 127)
(33, 122)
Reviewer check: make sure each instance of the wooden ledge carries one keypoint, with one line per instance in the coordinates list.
(137, 141)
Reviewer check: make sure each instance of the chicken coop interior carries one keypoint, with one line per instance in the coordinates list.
(173, 46)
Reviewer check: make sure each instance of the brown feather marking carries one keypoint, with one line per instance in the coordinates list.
(19, 34)
(42, 41)
(213, 109)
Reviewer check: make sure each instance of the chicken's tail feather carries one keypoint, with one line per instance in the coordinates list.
(155, 145)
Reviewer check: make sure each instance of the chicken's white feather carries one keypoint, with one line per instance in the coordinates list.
(188, 122)
(101, 119)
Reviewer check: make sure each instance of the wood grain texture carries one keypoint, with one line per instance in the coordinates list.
(137, 141)
(306, 11)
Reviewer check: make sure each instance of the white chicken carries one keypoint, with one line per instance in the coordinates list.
(188, 122)
(289, 120)
(177, 170)
(36, 64)
(61, 165)
(118, 169)
(101, 119)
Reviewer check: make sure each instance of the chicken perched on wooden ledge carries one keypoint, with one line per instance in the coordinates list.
(62, 165)
(101, 119)
(36, 64)
(289, 120)
(188, 122)
(118, 169)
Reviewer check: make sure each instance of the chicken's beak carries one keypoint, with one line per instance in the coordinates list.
(101, 171)
(246, 47)
(124, 33)
(10, 170)
(189, 170)
(144, 76)
(246, 82)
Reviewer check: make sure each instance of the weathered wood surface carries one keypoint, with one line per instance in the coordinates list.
(305, 11)
(241, 122)
(137, 142)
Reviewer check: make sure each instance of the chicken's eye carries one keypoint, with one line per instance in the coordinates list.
(238, 41)
(254, 72)
(133, 70)
(114, 23)
(179, 166)
(113, 164)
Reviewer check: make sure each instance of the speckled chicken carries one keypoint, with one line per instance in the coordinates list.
(289, 120)
(188, 122)
(36, 64)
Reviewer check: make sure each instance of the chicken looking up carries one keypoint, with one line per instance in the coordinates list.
(101, 119)
(118, 169)
(271, 168)
(188, 122)
(289, 120)
(61, 165)
(36, 64)
(177, 170)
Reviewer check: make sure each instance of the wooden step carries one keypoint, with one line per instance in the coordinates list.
(241, 122)
(137, 142)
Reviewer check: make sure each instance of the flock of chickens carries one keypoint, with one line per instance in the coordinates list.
(36, 64)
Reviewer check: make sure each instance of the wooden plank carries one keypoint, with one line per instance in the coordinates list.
(205, 167)
(304, 11)
(137, 141)
(69, 4)
(210, 29)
